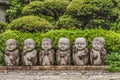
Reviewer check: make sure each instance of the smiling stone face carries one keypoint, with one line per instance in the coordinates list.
(46, 44)
(64, 43)
(80, 43)
(29, 44)
(98, 43)
(11, 45)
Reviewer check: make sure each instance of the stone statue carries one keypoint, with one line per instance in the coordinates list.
(46, 55)
(29, 54)
(63, 53)
(11, 55)
(98, 53)
(80, 52)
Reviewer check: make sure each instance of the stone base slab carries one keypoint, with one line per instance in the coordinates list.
(78, 68)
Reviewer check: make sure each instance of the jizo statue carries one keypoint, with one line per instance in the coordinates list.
(29, 54)
(46, 55)
(63, 53)
(98, 52)
(80, 52)
(11, 55)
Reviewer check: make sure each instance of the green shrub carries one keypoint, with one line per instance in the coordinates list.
(65, 22)
(20, 37)
(56, 8)
(98, 22)
(2, 27)
(92, 12)
(112, 38)
(16, 6)
(116, 26)
(34, 8)
(30, 23)
(113, 62)
(14, 9)
(51, 10)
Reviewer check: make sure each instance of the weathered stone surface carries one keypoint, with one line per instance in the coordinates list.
(63, 52)
(59, 75)
(3, 8)
(46, 55)
(80, 52)
(29, 54)
(78, 68)
(98, 52)
(11, 56)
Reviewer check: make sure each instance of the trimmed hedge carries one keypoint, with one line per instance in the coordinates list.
(112, 38)
(30, 23)
(91, 12)
(56, 8)
(66, 22)
(34, 8)
(50, 10)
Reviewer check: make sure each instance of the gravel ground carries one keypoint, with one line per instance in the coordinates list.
(58, 75)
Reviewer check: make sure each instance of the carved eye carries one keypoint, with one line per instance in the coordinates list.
(61, 43)
(11, 44)
(78, 43)
(46, 43)
(66, 44)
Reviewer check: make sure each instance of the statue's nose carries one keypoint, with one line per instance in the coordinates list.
(45, 46)
(62, 46)
(9, 47)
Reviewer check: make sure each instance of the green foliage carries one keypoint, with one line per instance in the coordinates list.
(34, 8)
(15, 9)
(56, 8)
(20, 37)
(67, 13)
(116, 25)
(92, 12)
(112, 38)
(113, 61)
(16, 6)
(2, 27)
(30, 23)
(51, 10)
(1, 59)
(66, 22)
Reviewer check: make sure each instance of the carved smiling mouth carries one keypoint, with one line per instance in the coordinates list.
(28, 47)
(45, 47)
(79, 47)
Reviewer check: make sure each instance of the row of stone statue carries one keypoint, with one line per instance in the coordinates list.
(63, 54)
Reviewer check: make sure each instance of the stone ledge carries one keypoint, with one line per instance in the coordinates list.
(78, 68)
